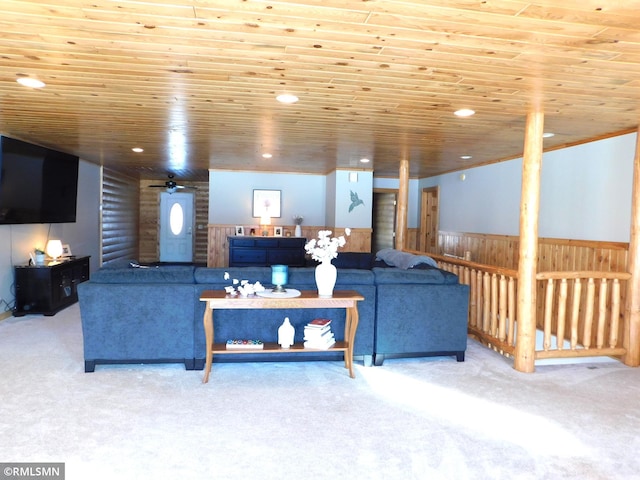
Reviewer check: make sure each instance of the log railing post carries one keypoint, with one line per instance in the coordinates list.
(525, 351)
(631, 341)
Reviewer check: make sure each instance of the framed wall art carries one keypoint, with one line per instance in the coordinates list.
(266, 203)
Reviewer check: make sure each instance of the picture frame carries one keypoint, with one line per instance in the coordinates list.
(277, 231)
(66, 251)
(239, 231)
(266, 203)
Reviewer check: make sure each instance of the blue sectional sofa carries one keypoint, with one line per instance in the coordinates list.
(152, 315)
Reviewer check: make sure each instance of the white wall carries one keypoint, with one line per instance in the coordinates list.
(231, 195)
(16, 241)
(585, 194)
(360, 215)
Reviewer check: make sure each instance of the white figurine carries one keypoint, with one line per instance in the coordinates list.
(286, 333)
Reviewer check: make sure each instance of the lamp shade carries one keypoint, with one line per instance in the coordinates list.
(54, 248)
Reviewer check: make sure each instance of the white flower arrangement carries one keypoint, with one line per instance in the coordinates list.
(325, 248)
(297, 219)
(242, 287)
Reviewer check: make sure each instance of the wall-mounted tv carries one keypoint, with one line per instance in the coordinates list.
(37, 184)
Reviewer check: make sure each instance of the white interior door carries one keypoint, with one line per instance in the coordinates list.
(176, 227)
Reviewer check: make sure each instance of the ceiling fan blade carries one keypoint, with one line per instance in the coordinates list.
(157, 186)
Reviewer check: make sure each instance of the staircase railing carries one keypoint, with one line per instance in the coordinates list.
(579, 314)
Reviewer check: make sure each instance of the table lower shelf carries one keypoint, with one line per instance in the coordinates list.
(272, 347)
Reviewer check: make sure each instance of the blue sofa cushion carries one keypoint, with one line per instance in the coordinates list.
(215, 276)
(142, 275)
(305, 277)
(413, 276)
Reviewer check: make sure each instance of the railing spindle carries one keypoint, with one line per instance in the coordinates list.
(548, 312)
(575, 311)
(588, 314)
(602, 313)
(562, 314)
(494, 305)
(615, 314)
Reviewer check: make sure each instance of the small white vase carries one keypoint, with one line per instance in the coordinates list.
(298, 231)
(286, 333)
(326, 274)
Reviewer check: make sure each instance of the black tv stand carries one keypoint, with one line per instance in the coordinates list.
(48, 288)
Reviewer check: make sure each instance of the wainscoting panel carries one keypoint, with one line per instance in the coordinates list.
(218, 253)
(554, 254)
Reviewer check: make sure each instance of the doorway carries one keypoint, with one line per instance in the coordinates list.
(429, 214)
(384, 220)
(176, 227)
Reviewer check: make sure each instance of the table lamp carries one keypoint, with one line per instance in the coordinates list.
(279, 277)
(265, 221)
(54, 249)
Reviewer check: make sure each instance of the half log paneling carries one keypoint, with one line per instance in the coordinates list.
(119, 216)
(218, 249)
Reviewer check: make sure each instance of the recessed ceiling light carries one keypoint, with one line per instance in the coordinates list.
(465, 157)
(464, 112)
(266, 155)
(548, 135)
(138, 149)
(30, 82)
(287, 98)
(364, 160)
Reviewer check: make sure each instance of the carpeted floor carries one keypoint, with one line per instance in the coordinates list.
(409, 419)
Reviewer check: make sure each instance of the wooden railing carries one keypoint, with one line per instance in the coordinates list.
(581, 313)
(578, 313)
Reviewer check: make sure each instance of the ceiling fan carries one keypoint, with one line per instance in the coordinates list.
(171, 186)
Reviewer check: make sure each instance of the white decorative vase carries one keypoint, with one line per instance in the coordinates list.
(298, 231)
(286, 333)
(326, 274)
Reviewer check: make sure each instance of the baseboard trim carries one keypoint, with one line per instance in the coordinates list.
(5, 315)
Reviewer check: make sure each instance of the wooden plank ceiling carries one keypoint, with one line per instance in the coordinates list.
(194, 82)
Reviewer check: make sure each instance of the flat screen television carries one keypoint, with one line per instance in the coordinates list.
(37, 184)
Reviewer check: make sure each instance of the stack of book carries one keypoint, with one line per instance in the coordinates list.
(318, 334)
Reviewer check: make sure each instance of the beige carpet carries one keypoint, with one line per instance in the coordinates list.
(409, 419)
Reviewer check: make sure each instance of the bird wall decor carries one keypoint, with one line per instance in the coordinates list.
(355, 201)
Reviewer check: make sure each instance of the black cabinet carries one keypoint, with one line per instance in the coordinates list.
(266, 251)
(50, 287)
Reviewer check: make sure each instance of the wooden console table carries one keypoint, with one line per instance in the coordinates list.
(347, 299)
